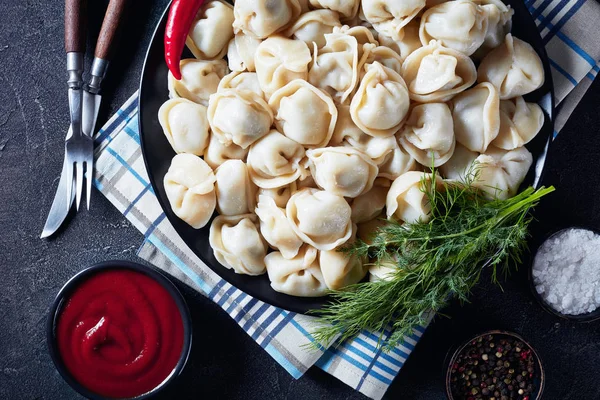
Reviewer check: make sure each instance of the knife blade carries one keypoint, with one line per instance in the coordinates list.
(61, 203)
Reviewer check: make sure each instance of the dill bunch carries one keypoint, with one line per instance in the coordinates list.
(432, 262)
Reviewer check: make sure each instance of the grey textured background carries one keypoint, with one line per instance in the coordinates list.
(225, 362)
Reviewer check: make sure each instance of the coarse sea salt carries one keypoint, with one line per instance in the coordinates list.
(566, 271)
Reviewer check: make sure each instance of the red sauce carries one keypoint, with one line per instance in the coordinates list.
(120, 334)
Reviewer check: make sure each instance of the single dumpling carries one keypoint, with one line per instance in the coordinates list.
(312, 27)
(335, 67)
(435, 73)
(385, 56)
(428, 135)
(237, 243)
(262, 18)
(407, 201)
(211, 30)
(217, 153)
(460, 166)
(190, 187)
(397, 162)
(346, 8)
(476, 114)
(235, 191)
(304, 113)
(381, 101)
(240, 117)
(185, 125)
(280, 195)
(389, 17)
(460, 25)
(382, 272)
(520, 122)
(409, 41)
(241, 81)
(300, 276)
(347, 134)
(320, 218)
(499, 16)
(280, 60)
(276, 228)
(369, 205)
(501, 172)
(514, 68)
(343, 171)
(240, 52)
(275, 160)
(363, 37)
(199, 79)
(340, 270)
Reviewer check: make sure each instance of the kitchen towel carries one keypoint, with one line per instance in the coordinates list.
(573, 44)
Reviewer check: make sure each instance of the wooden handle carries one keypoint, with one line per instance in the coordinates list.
(106, 40)
(75, 25)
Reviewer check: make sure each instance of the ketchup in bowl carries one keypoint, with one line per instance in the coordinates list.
(119, 332)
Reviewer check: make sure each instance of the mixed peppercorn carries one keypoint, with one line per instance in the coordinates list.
(494, 367)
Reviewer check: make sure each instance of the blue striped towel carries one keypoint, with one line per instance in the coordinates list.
(570, 33)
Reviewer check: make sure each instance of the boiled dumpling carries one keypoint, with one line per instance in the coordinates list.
(190, 187)
(346, 8)
(240, 117)
(460, 25)
(343, 171)
(280, 195)
(382, 272)
(381, 102)
(241, 81)
(275, 160)
(280, 60)
(300, 276)
(261, 18)
(366, 231)
(519, 123)
(408, 42)
(347, 134)
(335, 68)
(406, 201)
(428, 135)
(199, 79)
(363, 37)
(340, 270)
(476, 115)
(386, 56)
(240, 52)
(211, 31)
(237, 243)
(499, 17)
(312, 27)
(458, 167)
(276, 228)
(320, 218)
(514, 68)
(217, 153)
(185, 125)
(235, 191)
(369, 205)
(500, 172)
(304, 113)
(389, 17)
(397, 162)
(435, 73)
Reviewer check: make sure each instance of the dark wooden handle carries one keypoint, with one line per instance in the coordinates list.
(75, 25)
(115, 14)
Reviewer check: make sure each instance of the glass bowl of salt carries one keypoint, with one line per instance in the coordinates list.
(565, 274)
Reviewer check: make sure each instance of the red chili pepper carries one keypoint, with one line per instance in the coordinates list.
(179, 22)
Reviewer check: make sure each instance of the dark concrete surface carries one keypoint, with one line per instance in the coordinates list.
(225, 362)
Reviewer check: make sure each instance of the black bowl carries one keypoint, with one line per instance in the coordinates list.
(158, 154)
(72, 283)
(587, 317)
(536, 395)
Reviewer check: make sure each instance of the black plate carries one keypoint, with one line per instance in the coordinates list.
(158, 154)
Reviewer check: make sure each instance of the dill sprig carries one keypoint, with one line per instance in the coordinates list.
(432, 262)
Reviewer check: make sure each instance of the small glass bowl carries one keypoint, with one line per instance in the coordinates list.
(539, 383)
(587, 317)
(81, 276)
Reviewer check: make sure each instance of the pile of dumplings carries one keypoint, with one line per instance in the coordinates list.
(325, 116)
